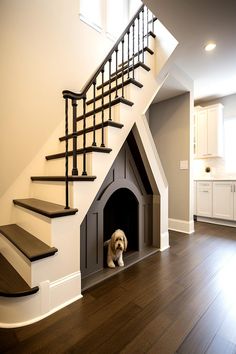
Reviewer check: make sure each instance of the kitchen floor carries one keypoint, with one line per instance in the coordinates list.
(179, 301)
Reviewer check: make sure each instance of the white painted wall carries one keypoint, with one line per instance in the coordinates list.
(45, 48)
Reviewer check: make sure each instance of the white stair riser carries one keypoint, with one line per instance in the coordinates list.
(127, 94)
(16, 259)
(51, 191)
(56, 167)
(89, 138)
(64, 236)
(38, 225)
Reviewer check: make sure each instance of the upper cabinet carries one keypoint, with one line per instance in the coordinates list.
(209, 131)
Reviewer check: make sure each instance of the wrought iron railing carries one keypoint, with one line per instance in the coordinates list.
(118, 66)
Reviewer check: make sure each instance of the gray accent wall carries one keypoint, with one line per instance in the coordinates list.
(170, 127)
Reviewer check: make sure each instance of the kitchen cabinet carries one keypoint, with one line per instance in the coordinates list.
(204, 199)
(209, 131)
(224, 200)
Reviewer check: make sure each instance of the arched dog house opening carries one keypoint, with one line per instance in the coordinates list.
(121, 212)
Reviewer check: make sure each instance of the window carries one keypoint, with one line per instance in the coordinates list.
(133, 6)
(109, 16)
(115, 17)
(91, 13)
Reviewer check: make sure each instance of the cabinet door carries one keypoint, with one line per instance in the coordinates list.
(234, 201)
(215, 131)
(201, 134)
(223, 200)
(204, 199)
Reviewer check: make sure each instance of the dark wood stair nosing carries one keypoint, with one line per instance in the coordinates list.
(11, 282)
(63, 178)
(107, 123)
(32, 248)
(127, 68)
(106, 106)
(88, 149)
(128, 81)
(145, 49)
(43, 207)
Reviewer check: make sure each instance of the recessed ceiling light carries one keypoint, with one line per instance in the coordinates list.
(210, 46)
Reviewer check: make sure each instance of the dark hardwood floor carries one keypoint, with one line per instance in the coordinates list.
(179, 301)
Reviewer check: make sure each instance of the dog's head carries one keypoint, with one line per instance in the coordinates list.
(118, 241)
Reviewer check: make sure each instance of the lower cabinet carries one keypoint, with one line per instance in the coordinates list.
(216, 199)
(224, 200)
(204, 199)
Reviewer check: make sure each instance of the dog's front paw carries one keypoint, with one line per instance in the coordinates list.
(111, 265)
(121, 264)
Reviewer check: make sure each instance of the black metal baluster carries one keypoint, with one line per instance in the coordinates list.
(138, 38)
(84, 137)
(143, 35)
(128, 56)
(110, 89)
(122, 55)
(74, 134)
(102, 143)
(147, 28)
(66, 155)
(116, 72)
(94, 114)
(133, 50)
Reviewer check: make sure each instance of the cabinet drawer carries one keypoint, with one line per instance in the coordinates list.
(204, 199)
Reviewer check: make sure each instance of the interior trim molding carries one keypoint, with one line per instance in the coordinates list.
(187, 227)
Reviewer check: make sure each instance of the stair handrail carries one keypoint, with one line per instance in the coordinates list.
(79, 95)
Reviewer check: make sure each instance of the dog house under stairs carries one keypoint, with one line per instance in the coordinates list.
(125, 201)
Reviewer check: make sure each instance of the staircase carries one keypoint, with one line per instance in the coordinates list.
(39, 250)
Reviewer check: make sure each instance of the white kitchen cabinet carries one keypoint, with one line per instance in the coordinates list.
(204, 199)
(195, 198)
(235, 201)
(209, 131)
(224, 200)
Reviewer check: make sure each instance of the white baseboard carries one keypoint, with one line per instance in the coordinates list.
(217, 221)
(50, 298)
(164, 241)
(187, 227)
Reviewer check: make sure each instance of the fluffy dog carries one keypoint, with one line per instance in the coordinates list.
(116, 246)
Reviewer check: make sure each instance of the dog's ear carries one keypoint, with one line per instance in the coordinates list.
(125, 242)
(113, 242)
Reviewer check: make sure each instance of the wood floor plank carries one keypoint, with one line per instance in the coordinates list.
(178, 301)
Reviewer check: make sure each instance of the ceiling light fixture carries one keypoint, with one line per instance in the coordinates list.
(210, 46)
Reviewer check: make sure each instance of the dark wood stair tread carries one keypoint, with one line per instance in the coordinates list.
(11, 283)
(42, 207)
(79, 151)
(118, 74)
(128, 81)
(107, 123)
(145, 49)
(105, 106)
(28, 244)
(63, 178)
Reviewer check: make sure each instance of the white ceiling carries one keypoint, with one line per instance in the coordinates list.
(194, 23)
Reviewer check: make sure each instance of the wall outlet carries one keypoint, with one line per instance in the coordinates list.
(183, 165)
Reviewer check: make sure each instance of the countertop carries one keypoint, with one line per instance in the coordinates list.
(215, 179)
